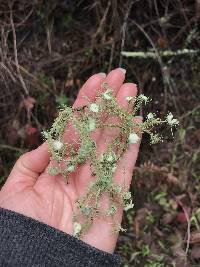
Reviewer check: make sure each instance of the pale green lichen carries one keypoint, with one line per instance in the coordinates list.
(66, 157)
(133, 138)
(165, 53)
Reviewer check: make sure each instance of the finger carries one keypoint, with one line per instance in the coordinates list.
(125, 166)
(31, 164)
(89, 90)
(109, 134)
(126, 90)
(115, 80)
(88, 94)
(127, 162)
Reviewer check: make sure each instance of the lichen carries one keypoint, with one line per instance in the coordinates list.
(66, 158)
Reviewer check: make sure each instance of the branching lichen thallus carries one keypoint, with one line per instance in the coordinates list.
(103, 113)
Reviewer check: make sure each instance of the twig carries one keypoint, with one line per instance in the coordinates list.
(188, 225)
(49, 29)
(182, 30)
(189, 112)
(184, 15)
(16, 57)
(158, 15)
(111, 55)
(34, 78)
(98, 31)
(124, 26)
(2, 147)
(3, 66)
(197, 9)
(164, 69)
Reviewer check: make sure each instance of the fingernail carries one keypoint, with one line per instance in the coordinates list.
(122, 70)
(102, 74)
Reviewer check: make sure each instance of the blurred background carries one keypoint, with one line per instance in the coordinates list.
(48, 49)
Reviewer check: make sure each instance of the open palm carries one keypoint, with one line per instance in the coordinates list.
(31, 191)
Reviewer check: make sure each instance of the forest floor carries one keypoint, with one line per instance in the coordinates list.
(49, 48)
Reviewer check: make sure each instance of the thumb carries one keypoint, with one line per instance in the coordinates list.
(31, 164)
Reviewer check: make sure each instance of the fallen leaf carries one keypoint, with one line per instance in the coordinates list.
(69, 83)
(167, 218)
(173, 179)
(173, 204)
(32, 137)
(195, 237)
(162, 42)
(22, 133)
(195, 252)
(158, 232)
(31, 130)
(180, 217)
(28, 103)
(140, 220)
(11, 134)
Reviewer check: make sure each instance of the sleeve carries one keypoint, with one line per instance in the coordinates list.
(27, 242)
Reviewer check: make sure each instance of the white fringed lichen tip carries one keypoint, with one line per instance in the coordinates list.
(57, 145)
(133, 138)
(129, 98)
(94, 108)
(71, 168)
(76, 229)
(111, 157)
(129, 206)
(171, 121)
(91, 124)
(107, 95)
(150, 116)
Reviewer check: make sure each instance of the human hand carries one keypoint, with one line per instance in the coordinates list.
(31, 191)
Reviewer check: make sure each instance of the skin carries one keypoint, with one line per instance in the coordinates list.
(31, 191)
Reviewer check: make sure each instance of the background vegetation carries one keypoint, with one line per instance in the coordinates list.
(49, 48)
